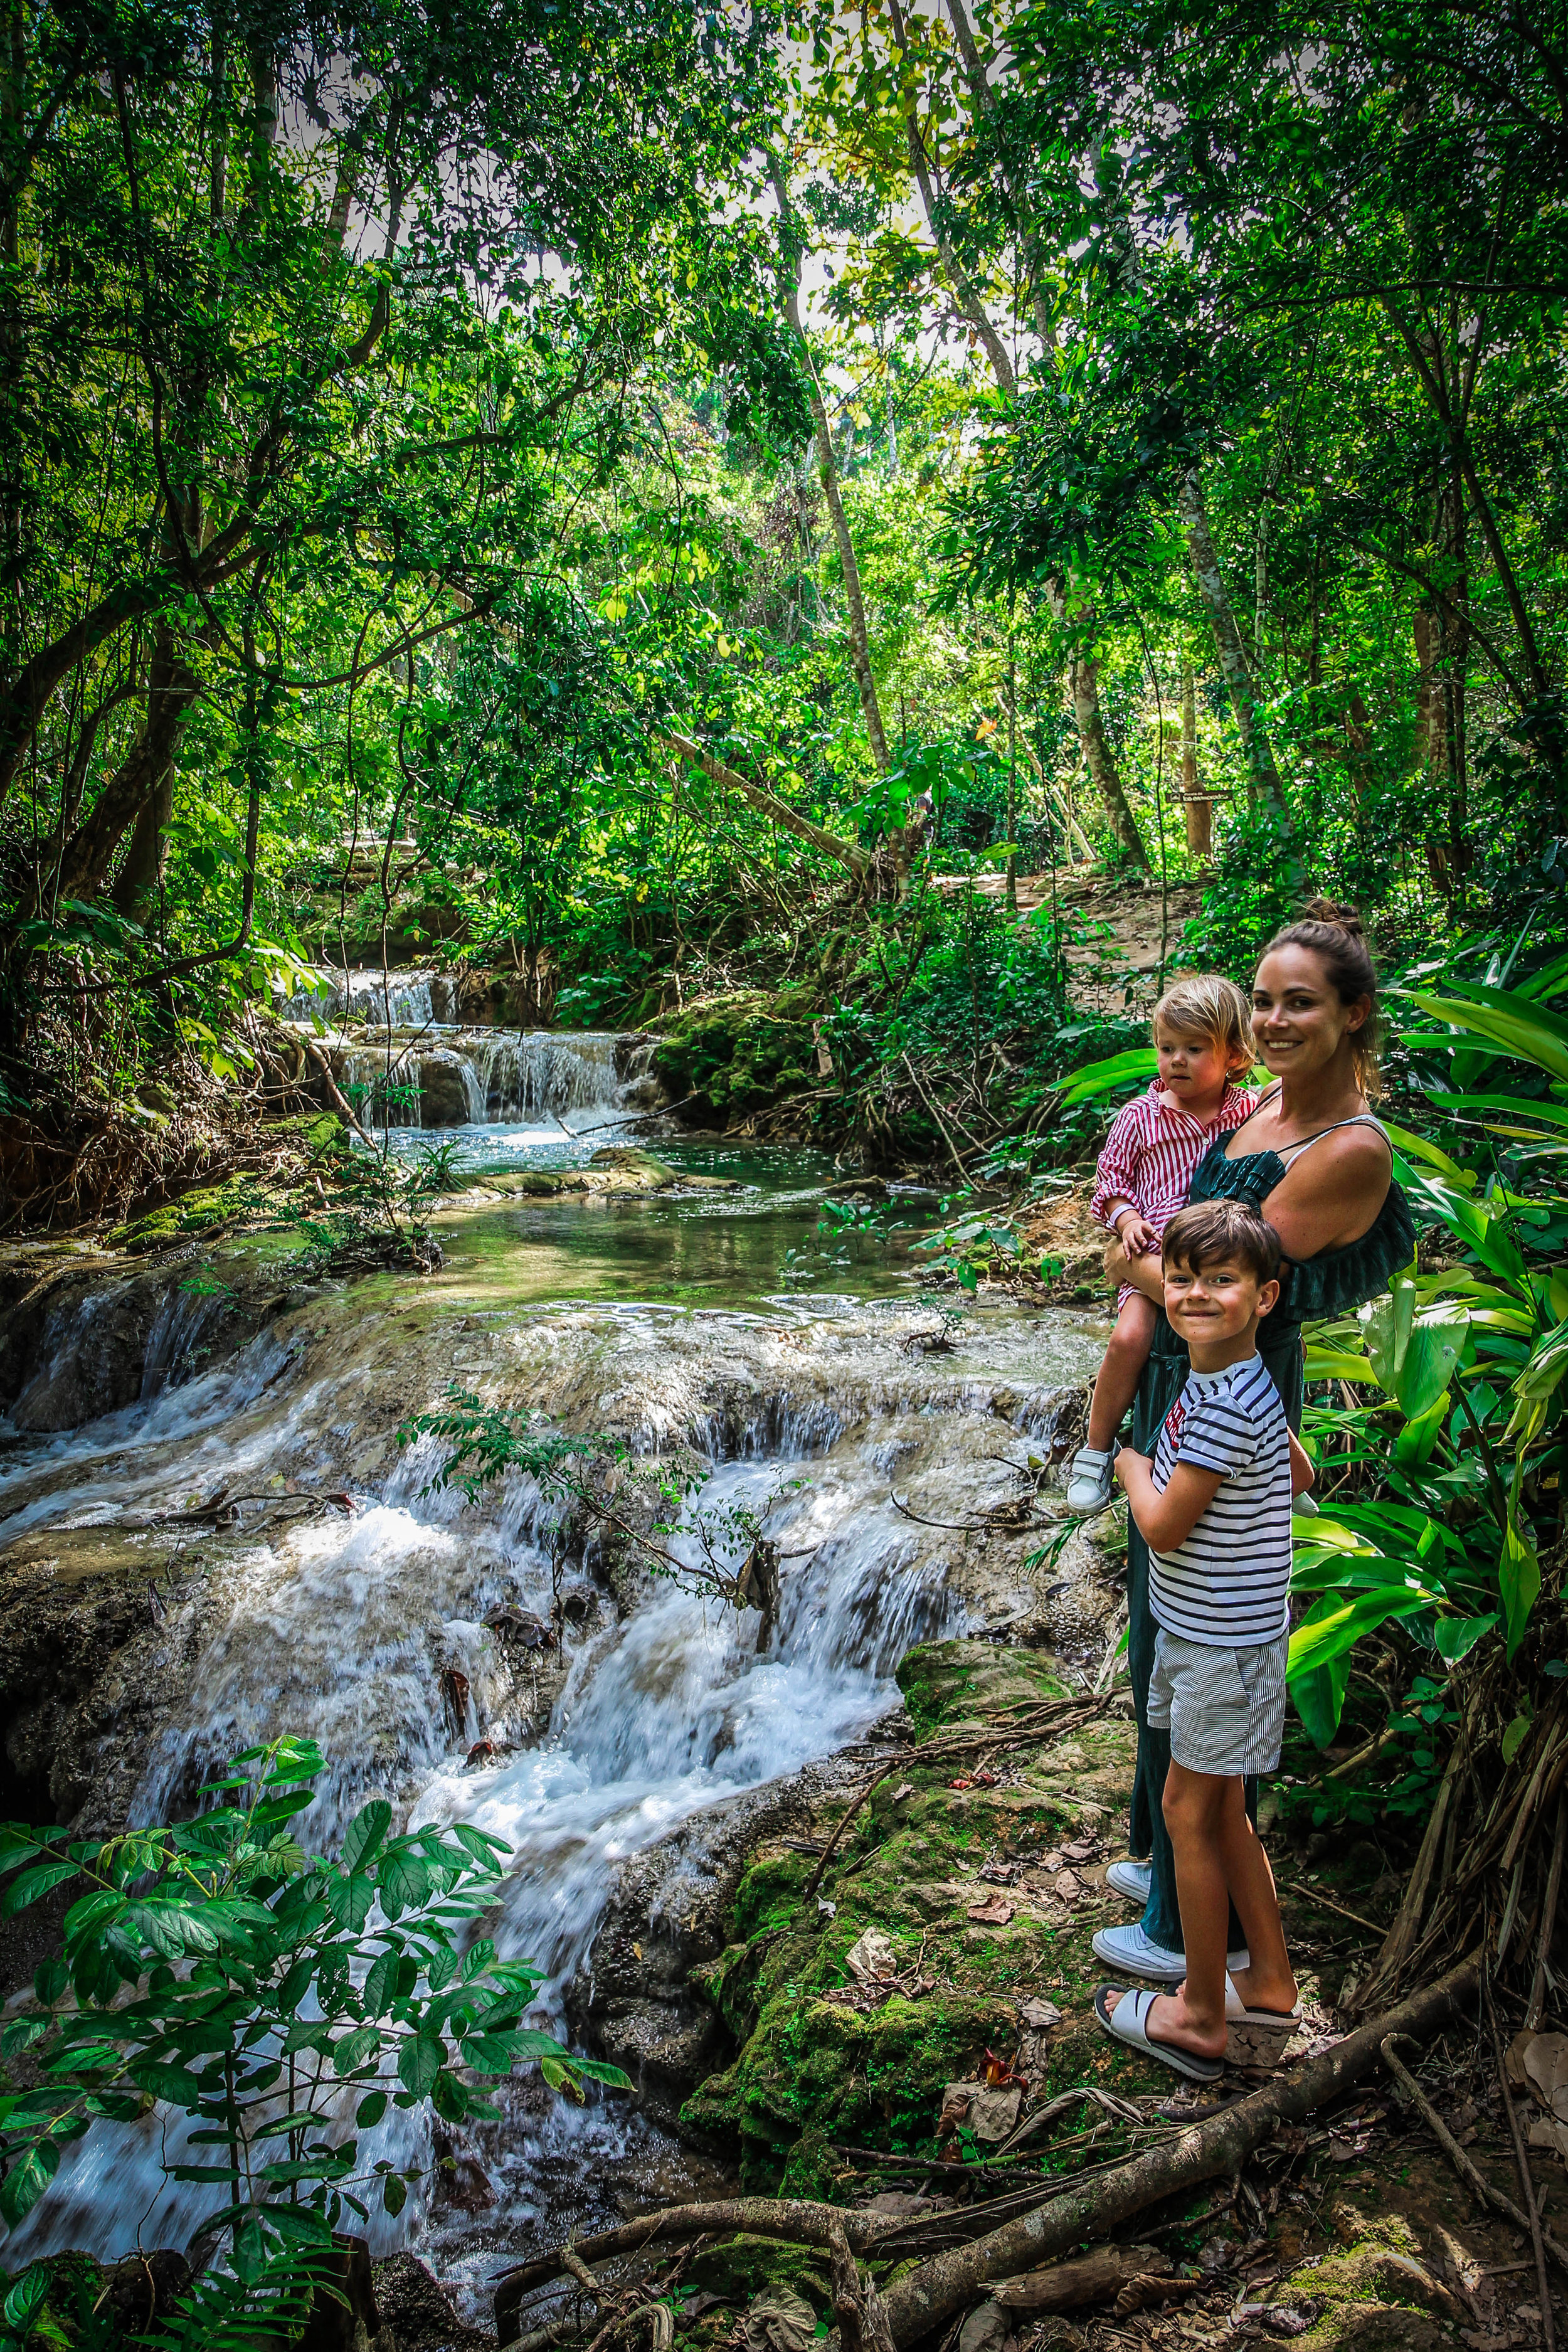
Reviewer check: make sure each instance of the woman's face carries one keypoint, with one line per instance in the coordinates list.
(1298, 1018)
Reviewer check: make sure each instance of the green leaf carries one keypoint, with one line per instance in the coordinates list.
(404, 1884)
(1455, 1637)
(380, 1984)
(1505, 1018)
(1319, 1697)
(1513, 1737)
(448, 2097)
(419, 2060)
(33, 1883)
(369, 2110)
(1518, 1581)
(349, 1900)
(363, 1838)
(394, 2193)
(1413, 1348)
(26, 2299)
(1139, 1063)
(27, 2179)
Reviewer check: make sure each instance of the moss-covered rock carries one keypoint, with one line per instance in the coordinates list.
(737, 1054)
(1373, 2295)
(824, 2062)
(197, 1212)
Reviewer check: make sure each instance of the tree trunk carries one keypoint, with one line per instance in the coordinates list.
(171, 688)
(828, 474)
(768, 805)
(1097, 754)
(965, 293)
(1263, 777)
(984, 100)
(1198, 807)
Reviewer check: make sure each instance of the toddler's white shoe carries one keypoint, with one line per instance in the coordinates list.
(1089, 1486)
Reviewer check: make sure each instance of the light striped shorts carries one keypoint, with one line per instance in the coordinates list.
(1225, 1707)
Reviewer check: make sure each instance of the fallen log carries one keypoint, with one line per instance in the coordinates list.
(1098, 2277)
(794, 2221)
(928, 2297)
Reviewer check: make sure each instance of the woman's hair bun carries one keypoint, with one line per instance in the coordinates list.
(1336, 917)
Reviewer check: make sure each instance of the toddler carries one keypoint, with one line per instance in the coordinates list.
(1203, 1034)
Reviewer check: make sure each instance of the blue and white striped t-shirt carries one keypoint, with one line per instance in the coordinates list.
(1228, 1585)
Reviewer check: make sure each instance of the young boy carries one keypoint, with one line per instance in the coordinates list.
(1214, 1506)
(1203, 1036)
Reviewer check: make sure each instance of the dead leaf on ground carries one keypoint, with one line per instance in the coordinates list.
(871, 1958)
(1040, 2015)
(994, 1912)
(1545, 2061)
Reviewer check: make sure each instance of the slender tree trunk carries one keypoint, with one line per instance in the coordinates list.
(1100, 762)
(1196, 806)
(828, 474)
(965, 293)
(142, 868)
(1263, 777)
(1023, 228)
(768, 805)
(171, 688)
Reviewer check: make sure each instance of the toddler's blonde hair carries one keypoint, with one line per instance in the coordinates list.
(1207, 1006)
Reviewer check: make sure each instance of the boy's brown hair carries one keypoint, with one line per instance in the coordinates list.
(1212, 1231)
(1205, 1005)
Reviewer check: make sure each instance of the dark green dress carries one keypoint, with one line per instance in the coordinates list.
(1329, 1284)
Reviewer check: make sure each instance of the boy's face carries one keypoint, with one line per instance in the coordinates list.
(1193, 1067)
(1220, 1303)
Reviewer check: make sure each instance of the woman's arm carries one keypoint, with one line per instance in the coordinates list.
(1332, 1195)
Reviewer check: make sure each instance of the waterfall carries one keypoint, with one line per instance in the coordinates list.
(401, 1000)
(349, 1629)
(481, 1077)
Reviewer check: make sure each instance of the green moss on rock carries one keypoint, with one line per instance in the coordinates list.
(196, 1211)
(745, 1050)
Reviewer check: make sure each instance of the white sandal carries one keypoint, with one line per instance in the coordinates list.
(1129, 2023)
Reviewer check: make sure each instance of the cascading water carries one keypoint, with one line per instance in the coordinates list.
(367, 1632)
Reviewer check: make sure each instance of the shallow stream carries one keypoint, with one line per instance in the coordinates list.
(820, 1391)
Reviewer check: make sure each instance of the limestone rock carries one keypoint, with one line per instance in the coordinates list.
(443, 1093)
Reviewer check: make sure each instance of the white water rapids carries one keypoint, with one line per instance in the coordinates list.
(348, 1628)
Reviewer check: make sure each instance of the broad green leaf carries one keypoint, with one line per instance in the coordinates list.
(1413, 1348)
(1528, 1032)
(1138, 1063)
(1518, 1581)
(363, 1836)
(1550, 1114)
(405, 1883)
(1319, 1698)
(33, 1883)
(350, 1901)
(369, 2110)
(419, 2060)
(1338, 1621)
(393, 2194)
(26, 2299)
(1455, 1637)
(28, 2178)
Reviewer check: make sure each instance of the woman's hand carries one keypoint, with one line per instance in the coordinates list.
(1143, 1274)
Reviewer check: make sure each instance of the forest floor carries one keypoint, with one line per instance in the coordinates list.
(941, 1959)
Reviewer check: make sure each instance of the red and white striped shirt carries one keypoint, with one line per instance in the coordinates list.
(1153, 1150)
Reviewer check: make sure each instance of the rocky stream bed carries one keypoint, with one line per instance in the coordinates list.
(210, 1533)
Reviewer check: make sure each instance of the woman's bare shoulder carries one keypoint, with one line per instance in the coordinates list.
(1353, 1165)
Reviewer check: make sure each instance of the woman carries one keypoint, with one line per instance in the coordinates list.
(1319, 1168)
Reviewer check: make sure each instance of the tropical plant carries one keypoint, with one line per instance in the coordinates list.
(279, 2003)
(1438, 1497)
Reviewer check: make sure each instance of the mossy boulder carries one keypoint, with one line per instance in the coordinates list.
(1373, 2294)
(822, 2061)
(193, 1212)
(737, 1054)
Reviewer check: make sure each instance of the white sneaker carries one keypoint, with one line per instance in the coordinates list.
(1131, 1879)
(1137, 1955)
(1090, 1484)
